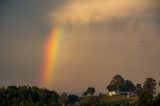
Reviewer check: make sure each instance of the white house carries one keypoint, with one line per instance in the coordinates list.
(113, 93)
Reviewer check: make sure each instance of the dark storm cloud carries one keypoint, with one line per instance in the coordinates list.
(23, 32)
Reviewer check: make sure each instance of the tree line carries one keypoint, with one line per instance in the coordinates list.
(34, 96)
(118, 83)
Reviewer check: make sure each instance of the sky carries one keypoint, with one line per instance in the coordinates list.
(101, 38)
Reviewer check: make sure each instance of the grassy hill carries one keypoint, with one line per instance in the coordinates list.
(107, 100)
(118, 100)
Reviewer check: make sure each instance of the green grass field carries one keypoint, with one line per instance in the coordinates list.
(108, 101)
(118, 100)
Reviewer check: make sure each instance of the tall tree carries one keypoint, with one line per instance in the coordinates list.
(64, 99)
(150, 85)
(127, 87)
(116, 83)
(117, 80)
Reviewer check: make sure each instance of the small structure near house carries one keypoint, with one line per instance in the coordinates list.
(113, 93)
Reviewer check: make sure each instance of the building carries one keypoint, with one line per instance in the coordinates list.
(113, 93)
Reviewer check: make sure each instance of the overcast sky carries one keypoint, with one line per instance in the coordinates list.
(102, 38)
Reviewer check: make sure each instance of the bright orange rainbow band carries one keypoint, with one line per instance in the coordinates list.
(51, 55)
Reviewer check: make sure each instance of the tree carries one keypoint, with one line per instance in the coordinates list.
(117, 80)
(116, 83)
(111, 87)
(27, 96)
(85, 93)
(138, 86)
(127, 87)
(150, 85)
(89, 101)
(101, 95)
(130, 85)
(64, 99)
(145, 99)
(73, 98)
(91, 90)
(156, 101)
(139, 89)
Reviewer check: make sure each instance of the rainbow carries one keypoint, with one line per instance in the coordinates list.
(51, 55)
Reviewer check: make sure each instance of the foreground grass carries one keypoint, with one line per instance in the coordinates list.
(118, 100)
(107, 101)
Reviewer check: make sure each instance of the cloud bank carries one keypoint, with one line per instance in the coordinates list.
(80, 12)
